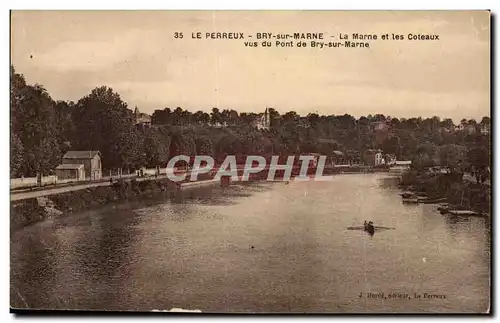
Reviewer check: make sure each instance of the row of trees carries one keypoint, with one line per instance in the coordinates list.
(44, 129)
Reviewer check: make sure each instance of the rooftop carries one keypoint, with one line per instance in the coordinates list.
(69, 166)
(81, 154)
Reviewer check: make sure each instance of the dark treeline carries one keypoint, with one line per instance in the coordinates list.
(43, 129)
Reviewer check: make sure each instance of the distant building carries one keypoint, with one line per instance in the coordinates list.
(70, 171)
(484, 128)
(142, 119)
(263, 121)
(447, 129)
(374, 157)
(469, 128)
(90, 159)
(379, 126)
(304, 123)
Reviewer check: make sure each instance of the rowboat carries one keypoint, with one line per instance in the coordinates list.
(444, 208)
(465, 213)
(431, 200)
(377, 228)
(410, 200)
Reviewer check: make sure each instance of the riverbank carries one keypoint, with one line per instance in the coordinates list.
(31, 210)
(459, 193)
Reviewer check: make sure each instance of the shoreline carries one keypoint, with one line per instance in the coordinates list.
(459, 193)
(26, 211)
(35, 209)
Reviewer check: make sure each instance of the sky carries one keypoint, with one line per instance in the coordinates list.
(135, 53)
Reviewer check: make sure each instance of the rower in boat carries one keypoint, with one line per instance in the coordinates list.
(369, 227)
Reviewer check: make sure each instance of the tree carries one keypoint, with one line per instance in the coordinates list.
(155, 148)
(447, 123)
(479, 157)
(64, 124)
(234, 118)
(34, 123)
(103, 122)
(215, 117)
(485, 120)
(16, 155)
(427, 155)
(452, 155)
(392, 145)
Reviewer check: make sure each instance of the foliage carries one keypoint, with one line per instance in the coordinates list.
(42, 130)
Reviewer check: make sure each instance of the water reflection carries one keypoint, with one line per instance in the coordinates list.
(196, 252)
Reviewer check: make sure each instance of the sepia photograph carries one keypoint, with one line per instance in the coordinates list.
(239, 161)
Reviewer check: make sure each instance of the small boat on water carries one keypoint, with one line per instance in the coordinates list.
(465, 213)
(410, 200)
(444, 208)
(431, 200)
(458, 210)
(376, 228)
(407, 194)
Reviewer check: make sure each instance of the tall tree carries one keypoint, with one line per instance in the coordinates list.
(33, 121)
(16, 155)
(103, 122)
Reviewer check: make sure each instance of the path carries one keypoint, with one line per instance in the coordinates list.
(57, 190)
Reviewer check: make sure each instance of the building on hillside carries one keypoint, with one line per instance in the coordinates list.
(379, 126)
(142, 119)
(447, 129)
(304, 123)
(263, 121)
(70, 172)
(374, 157)
(484, 128)
(90, 159)
(468, 128)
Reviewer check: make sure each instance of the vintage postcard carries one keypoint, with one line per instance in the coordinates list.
(251, 161)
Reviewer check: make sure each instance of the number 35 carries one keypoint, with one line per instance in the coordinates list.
(178, 35)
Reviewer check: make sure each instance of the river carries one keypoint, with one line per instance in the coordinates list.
(196, 253)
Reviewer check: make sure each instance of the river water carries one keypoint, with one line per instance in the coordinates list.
(196, 253)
